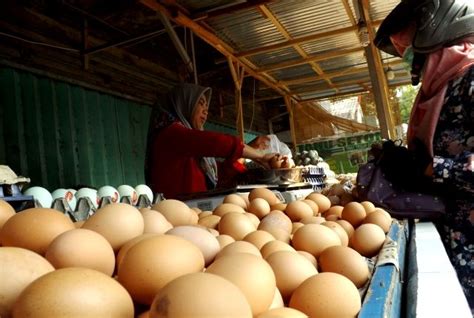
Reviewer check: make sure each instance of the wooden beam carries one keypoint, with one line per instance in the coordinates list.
(85, 43)
(209, 37)
(357, 92)
(237, 72)
(289, 107)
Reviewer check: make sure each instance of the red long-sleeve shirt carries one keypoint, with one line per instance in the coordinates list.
(176, 151)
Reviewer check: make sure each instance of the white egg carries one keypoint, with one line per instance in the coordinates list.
(67, 194)
(89, 193)
(41, 195)
(144, 189)
(128, 191)
(109, 191)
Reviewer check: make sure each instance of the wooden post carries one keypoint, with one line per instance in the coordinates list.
(85, 43)
(289, 107)
(238, 72)
(377, 75)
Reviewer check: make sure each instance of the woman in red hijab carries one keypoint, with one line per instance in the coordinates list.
(181, 155)
(437, 38)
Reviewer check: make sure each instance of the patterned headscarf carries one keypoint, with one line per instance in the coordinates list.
(179, 106)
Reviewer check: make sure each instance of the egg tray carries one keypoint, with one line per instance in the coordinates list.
(272, 176)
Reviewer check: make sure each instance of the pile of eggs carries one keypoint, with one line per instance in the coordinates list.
(72, 196)
(252, 256)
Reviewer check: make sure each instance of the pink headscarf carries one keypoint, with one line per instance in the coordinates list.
(441, 66)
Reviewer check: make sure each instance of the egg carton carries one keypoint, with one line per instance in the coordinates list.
(11, 193)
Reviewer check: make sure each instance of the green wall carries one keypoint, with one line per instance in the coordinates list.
(62, 135)
(344, 154)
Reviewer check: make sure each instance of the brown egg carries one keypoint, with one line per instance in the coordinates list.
(124, 249)
(236, 225)
(278, 206)
(331, 217)
(200, 295)
(203, 239)
(210, 221)
(79, 224)
(259, 238)
(385, 212)
(18, 268)
(153, 262)
(334, 210)
(34, 229)
(175, 211)
(345, 261)
(197, 210)
(253, 218)
(314, 238)
(117, 222)
(275, 246)
(214, 232)
(276, 219)
(379, 218)
(354, 213)
(313, 220)
(155, 222)
(259, 207)
(295, 226)
(6, 212)
(313, 206)
(251, 274)
(81, 248)
(336, 227)
(145, 314)
(284, 312)
(194, 217)
(225, 208)
(368, 239)
(236, 199)
(347, 227)
(224, 240)
(321, 200)
(74, 292)
(239, 247)
(309, 257)
(279, 234)
(317, 296)
(245, 196)
(368, 206)
(290, 270)
(297, 210)
(277, 301)
(263, 193)
(203, 214)
(144, 209)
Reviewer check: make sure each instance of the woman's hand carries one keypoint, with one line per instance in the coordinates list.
(257, 156)
(265, 160)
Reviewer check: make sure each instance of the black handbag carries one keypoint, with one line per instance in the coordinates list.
(393, 180)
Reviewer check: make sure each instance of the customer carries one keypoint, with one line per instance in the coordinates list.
(437, 38)
(180, 154)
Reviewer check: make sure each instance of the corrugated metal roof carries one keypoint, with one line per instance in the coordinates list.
(309, 16)
(253, 29)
